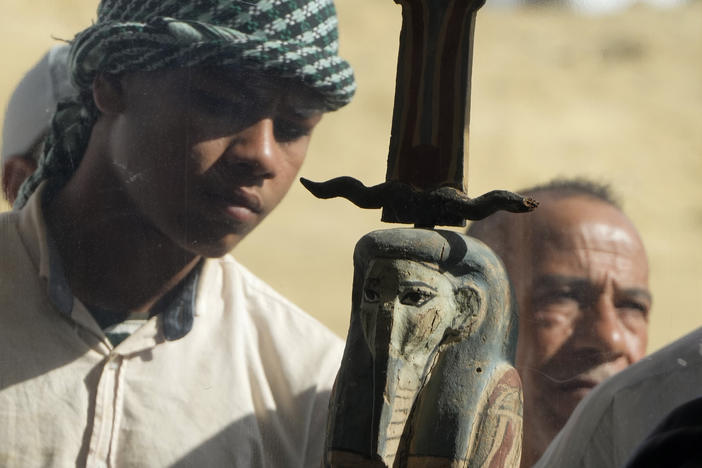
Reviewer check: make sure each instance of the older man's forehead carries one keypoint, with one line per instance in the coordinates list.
(596, 265)
(576, 232)
(592, 234)
(593, 248)
(581, 219)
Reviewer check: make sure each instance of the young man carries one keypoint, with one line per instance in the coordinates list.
(128, 337)
(579, 273)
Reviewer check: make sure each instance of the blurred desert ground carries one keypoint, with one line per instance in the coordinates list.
(617, 98)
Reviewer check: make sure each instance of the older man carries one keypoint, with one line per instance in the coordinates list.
(128, 336)
(580, 276)
(28, 116)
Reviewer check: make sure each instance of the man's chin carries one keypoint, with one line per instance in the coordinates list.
(565, 400)
(215, 248)
(555, 405)
(572, 397)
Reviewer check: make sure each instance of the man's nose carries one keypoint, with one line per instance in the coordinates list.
(255, 149)
(602, 330)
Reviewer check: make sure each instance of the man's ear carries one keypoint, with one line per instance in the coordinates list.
(108, 94)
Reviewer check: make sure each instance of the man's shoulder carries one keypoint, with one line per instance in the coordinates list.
(8, 220)
(609, 423)
(275, 334)
(266, 308)
(12, 251)
(257, 290)
(258, 294)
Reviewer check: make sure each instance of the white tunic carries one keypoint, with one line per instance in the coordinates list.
(248, 386)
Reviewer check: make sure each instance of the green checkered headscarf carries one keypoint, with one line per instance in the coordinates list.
(295, 39)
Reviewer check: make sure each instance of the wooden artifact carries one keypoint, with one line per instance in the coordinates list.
(427, 378)
(426, 162)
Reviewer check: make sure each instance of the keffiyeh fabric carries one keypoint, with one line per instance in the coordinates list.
(292, 38)
(295, 39)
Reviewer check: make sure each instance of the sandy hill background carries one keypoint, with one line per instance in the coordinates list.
(616, 98)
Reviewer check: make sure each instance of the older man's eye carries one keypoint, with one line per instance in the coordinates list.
(561, 297)
(370, 295)
(416, 297)
(632, 311)
(632, 305)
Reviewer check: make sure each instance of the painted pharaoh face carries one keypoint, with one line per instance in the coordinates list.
(409, 302)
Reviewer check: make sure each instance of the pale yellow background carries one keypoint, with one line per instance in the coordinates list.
(616, 98)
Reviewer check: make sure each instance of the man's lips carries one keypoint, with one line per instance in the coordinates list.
(236, 203)
(579, 375)
(578, 383)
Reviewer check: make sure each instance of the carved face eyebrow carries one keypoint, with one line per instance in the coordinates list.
(418, 283)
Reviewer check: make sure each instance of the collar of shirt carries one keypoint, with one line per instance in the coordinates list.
(176, 308)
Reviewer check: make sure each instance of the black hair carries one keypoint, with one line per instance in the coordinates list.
(576, 186)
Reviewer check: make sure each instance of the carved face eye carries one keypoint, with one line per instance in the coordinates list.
(416, 297)
(370, 295)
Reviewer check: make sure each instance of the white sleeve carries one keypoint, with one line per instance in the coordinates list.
(586, 441)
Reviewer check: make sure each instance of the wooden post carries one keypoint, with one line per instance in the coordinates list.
(426, 168)
(427, 379)
(432, 98)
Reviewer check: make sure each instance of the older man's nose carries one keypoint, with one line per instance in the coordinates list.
(255, 148)
(601, 330)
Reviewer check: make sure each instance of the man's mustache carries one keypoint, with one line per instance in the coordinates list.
(586, 365)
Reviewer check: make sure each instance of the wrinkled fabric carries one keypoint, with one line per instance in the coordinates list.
(248, 386)
(290, 38)
(609, 423)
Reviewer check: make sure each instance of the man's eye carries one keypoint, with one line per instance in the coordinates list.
(547, 319)
(416, 297)
(567, 293)
(632, 307)
(370, 295)
(560, 296)
(287, 130)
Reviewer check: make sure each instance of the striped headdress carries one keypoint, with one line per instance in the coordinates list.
(295, 39)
